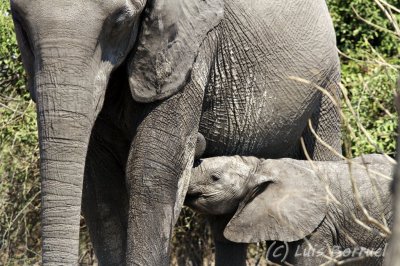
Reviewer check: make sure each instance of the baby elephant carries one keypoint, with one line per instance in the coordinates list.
(310, 212)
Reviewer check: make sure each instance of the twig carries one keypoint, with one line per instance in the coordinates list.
(374, 25)
(9, 108)
(389, 16)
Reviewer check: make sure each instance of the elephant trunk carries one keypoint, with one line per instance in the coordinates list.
(62, 167)
(66, 110)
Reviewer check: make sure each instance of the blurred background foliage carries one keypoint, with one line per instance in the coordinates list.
(368, 39)
(370, 58)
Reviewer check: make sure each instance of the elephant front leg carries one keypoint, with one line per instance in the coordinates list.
(105, 201)
(158, 172)
(227, 253)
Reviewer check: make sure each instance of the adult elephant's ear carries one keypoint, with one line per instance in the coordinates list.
(171, 34)
(288, 204)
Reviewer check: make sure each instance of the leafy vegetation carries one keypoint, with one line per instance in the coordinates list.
(20, 187)
(368, 36)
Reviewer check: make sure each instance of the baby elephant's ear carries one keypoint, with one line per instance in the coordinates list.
(290, 204)
(172, 32)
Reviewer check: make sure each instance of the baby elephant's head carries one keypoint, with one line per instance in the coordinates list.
(219, 184)
(268, 199)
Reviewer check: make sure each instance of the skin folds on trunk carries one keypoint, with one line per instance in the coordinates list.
(62, 168)
(65, 118)
(61, 193)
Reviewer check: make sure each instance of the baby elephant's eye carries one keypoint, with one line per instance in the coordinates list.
(215, 177)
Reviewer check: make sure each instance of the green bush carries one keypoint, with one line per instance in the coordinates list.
(370, 64)
(20, 187)
(11, 70)
(354, 35)
(373, 120)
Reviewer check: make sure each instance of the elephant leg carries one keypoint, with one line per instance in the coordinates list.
(158, 174)
(159, 166)
(105, 200)
(227, 253)
(326, 124)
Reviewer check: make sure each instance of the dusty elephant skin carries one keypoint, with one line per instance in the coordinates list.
(122, 88)
(311, 206)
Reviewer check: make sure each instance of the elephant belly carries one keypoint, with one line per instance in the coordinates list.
(253, 104)
(260, 125)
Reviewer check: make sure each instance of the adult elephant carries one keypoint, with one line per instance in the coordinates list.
(123, 86)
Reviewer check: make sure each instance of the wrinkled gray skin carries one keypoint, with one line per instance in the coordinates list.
(123, 86)
(298, 202)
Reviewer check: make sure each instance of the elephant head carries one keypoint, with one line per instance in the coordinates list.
(69, 50)
(267, 199)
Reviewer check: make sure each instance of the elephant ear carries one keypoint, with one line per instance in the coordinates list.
(288, 203)
(172, 32)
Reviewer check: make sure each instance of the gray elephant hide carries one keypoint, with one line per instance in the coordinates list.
(317, 211)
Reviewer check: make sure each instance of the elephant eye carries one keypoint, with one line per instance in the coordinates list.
(122, 17)
(216, 176)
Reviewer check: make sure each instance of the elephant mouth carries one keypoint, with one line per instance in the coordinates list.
(191, 197)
